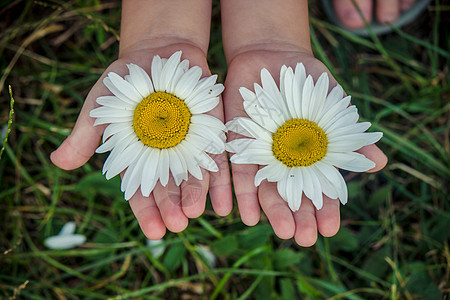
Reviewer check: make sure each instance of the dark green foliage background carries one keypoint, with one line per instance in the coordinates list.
(393, 243)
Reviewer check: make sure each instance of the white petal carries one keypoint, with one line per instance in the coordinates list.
(273, 172)
(294, 189)
(282, 187)
(273, 93)
(189, 152)
(156, 69)
(68, 228)
(282, 79)
(306, 97)
(64, 241)
(274, 109)
(317, 196)
(369, 137)
(150, 173)
(205, 144)
(216, 144)
(351, 117)
(204, 106)
(297, 88)
(121, 139)
(330, 113)
(117, 150)
(351, 129)
(135, 176)
(318, 97)
(327, 187)
(288, 90)
(140, 80)
(117, 92)
(205, 161)
(209, 93)
(336, 179)
(125, 87)
(124, 159)
(181, 69)
(346, 145)
(335, 95)
(168, 71)
(107, 112)
(203, 85)
(187, 82)
(238, 145)
(248, 158)
(351, 161)
(207, 120)
(260, 115)
(343, 118)
(157, 247)
(247, 127)
(116, 128)
(176, 167)
(163, 167)
(111, 120)
(115, 102)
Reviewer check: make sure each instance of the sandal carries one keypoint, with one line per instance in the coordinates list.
(375, 26)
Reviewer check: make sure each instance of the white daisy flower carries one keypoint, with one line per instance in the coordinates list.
(302, 135)
(157, 124)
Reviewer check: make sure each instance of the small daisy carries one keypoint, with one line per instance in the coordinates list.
(301, 135)
(157, 124)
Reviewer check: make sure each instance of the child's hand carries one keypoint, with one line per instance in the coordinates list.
(169, 206)
(149, 28)
(244, 70)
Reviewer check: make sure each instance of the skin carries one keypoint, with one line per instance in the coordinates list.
(386, 11)
(145, 32)
(269, 34)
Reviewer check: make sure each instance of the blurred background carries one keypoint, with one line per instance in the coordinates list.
(393, 243)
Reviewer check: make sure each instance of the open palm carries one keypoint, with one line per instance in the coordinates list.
(166, 207)
(303, 224)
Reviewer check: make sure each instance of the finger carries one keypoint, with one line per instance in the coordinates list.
(349, 16)
(220, 186)
(80, 145)
(305, 224)
(246, 193)
(328, 218)
(374, 153)
(406, 4)
(276, 210)
(220, 182)
(168, 200)
(148, 216)
(387, 11)
(193, 195)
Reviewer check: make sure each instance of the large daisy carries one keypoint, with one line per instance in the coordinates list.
(301, 135)
(158, 124)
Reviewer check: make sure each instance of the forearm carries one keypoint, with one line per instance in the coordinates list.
(149, 24)
(264, 25)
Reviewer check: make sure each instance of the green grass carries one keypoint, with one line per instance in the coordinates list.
(393, 243)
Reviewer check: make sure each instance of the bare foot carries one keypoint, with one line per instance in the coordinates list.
(386, 11)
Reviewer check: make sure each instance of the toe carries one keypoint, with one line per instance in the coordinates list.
(387, 11)
(348, 14)
(406, 4)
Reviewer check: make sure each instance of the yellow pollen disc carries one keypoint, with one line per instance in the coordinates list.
(161, 120)
(299, 143)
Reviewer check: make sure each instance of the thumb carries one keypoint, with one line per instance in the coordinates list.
(80, 145)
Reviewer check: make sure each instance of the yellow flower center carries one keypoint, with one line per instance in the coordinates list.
(299, 143)
(161, 120)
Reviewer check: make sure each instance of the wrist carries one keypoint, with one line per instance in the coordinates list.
(155, 24)
(269, 25)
